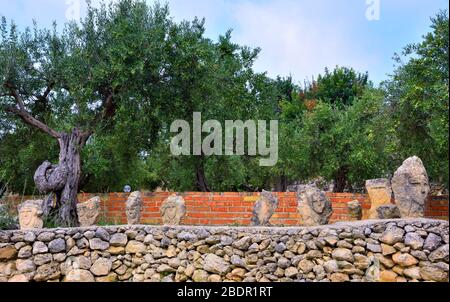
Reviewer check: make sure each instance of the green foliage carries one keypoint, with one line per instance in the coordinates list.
(417, 95)
(7, 221)
(340, 87)
(158, 70)
(51, 222)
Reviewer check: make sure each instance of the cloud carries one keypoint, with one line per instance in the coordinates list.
(295, 40)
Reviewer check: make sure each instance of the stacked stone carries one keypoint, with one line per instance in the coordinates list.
(378, 250)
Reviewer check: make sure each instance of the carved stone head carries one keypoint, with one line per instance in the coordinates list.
(313, 205)
(411, 187)
(264, 208)
(173, 209)
(30, 214)
(133, 208)
(88, 212)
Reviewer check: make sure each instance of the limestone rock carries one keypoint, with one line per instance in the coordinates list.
(133, 208)
(89, 212)
(411, 187)
(200, 276)
(388, 211)
(414, 241)
(433, 273)
(313, 206)
(8, 252)
(25, 265)
(339, 277)
(101, 267)
(173, 210)
(379, 191)
(79, 275)
(134, 247)
(439, 254)
(404, 259)
(98, 244)
(39, 248)
(432, 242)
(215, 264)
(392, 235)
(343, 254)
(264, 208)
(30, 214)
(47, 272)
(57, 245)
(387, 276)
(118, 239)
(354, 210)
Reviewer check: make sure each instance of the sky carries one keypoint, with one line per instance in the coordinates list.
(297, 37)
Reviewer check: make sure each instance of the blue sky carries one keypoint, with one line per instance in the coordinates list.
(297, 37)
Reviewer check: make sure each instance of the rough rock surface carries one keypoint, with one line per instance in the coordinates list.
(389, 250)
(388, 211)
(313, 206)
(411, 187)
(264, 208)
(173, 210)
(380, 193)
(133, 208)
(354, 210)
(30, 214)
(89, 212)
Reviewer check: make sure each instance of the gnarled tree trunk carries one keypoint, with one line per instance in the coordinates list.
(62, 180)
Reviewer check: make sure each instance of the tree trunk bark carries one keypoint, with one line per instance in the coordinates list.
(62, 180)
(340, 181)
(202, 185)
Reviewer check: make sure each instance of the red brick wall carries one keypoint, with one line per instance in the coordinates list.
(234, 208)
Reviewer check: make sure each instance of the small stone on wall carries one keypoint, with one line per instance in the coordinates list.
(30, 214)
(173, 210)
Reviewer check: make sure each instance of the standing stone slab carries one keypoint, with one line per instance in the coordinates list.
(354, 210)
(30, 214)
(133, 208)
(89, 212)
(380, 194)
(173, 209)
(264, 208)
(411, 187)
(313, 206)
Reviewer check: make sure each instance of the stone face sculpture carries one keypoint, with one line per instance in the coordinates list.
(411, 187)
(89, 211)
(30, 214)
(133, 208)
(173, 209)
(354, 209)
(388, 211)
(264, 208)
(313, 206)
(380, 194)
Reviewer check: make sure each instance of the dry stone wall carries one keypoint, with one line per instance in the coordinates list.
(371, 250)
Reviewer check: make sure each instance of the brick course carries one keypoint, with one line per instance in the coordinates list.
(232, 208)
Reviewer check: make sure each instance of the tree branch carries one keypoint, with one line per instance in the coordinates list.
(25, 116)
(30, 120)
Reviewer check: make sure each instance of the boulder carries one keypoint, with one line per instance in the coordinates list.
(264, 208)
(388, 211)
(89, 212)
(313, 205)
(133, 208)
(354, 210)
(30, 214)
(411, 187)
(173, 210)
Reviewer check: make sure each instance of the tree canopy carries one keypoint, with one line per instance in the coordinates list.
(118, 79)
